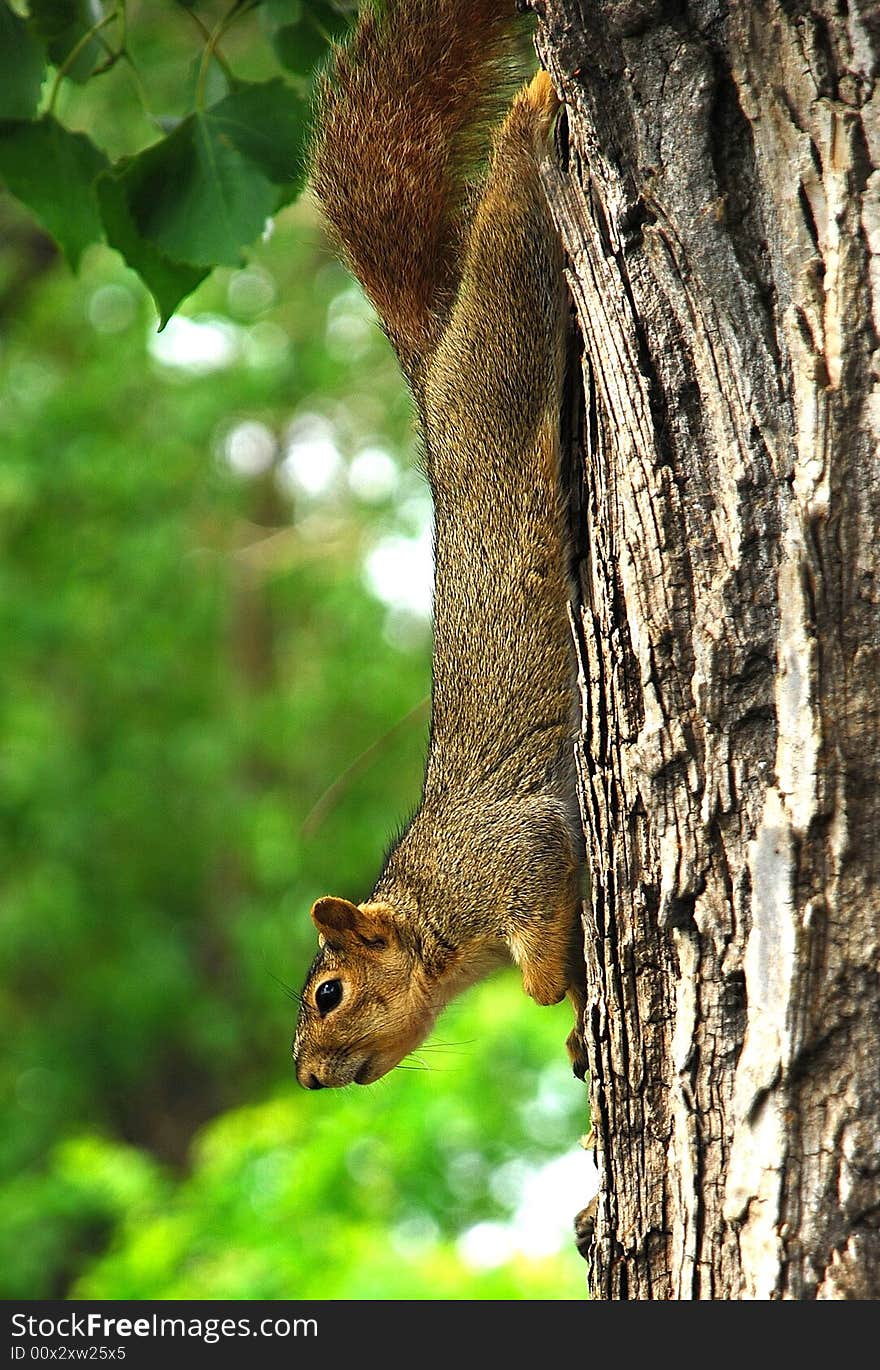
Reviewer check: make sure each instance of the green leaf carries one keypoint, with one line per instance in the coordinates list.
(53, 171)
(277, 13)
(204, 192)
(198, 199)
(62, 24)
(331, 19)
(282, 11)
(299, 47)
(301, 39)
(168, 281)
(22, 67)
(267, 123)
(216, 84)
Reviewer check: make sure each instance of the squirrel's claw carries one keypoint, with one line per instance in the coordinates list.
(577, 1054)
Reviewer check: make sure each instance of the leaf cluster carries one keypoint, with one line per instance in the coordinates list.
(193, 197)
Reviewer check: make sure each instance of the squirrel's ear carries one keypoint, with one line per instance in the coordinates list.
(373, 925)
(335, 915)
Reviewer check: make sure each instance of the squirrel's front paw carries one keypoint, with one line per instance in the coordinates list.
(542, 984)
(543, 962)
(574, 1045)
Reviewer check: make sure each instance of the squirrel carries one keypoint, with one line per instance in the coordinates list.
(465, 273)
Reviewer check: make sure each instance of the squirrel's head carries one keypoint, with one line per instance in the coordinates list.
(366, 1002)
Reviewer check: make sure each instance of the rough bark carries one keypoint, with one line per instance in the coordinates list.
(720, 206)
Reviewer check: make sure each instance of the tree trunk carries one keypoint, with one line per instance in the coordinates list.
(720, 205)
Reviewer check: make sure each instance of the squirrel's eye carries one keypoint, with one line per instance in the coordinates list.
(328, 995)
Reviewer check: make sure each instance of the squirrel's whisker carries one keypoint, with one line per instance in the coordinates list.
(422, 1065)
(288, 989)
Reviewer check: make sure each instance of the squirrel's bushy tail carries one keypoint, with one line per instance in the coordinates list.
(403, 116)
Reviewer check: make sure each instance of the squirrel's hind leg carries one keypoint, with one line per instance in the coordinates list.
(540, 96)
(510, 309)
(574, 1042)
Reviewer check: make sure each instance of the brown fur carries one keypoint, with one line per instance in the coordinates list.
(488, 869)
(400, 130)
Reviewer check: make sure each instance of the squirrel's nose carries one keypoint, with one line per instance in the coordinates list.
(313, 1083)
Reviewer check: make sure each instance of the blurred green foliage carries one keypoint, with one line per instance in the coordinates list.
(365, 1195)
(202, 640)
